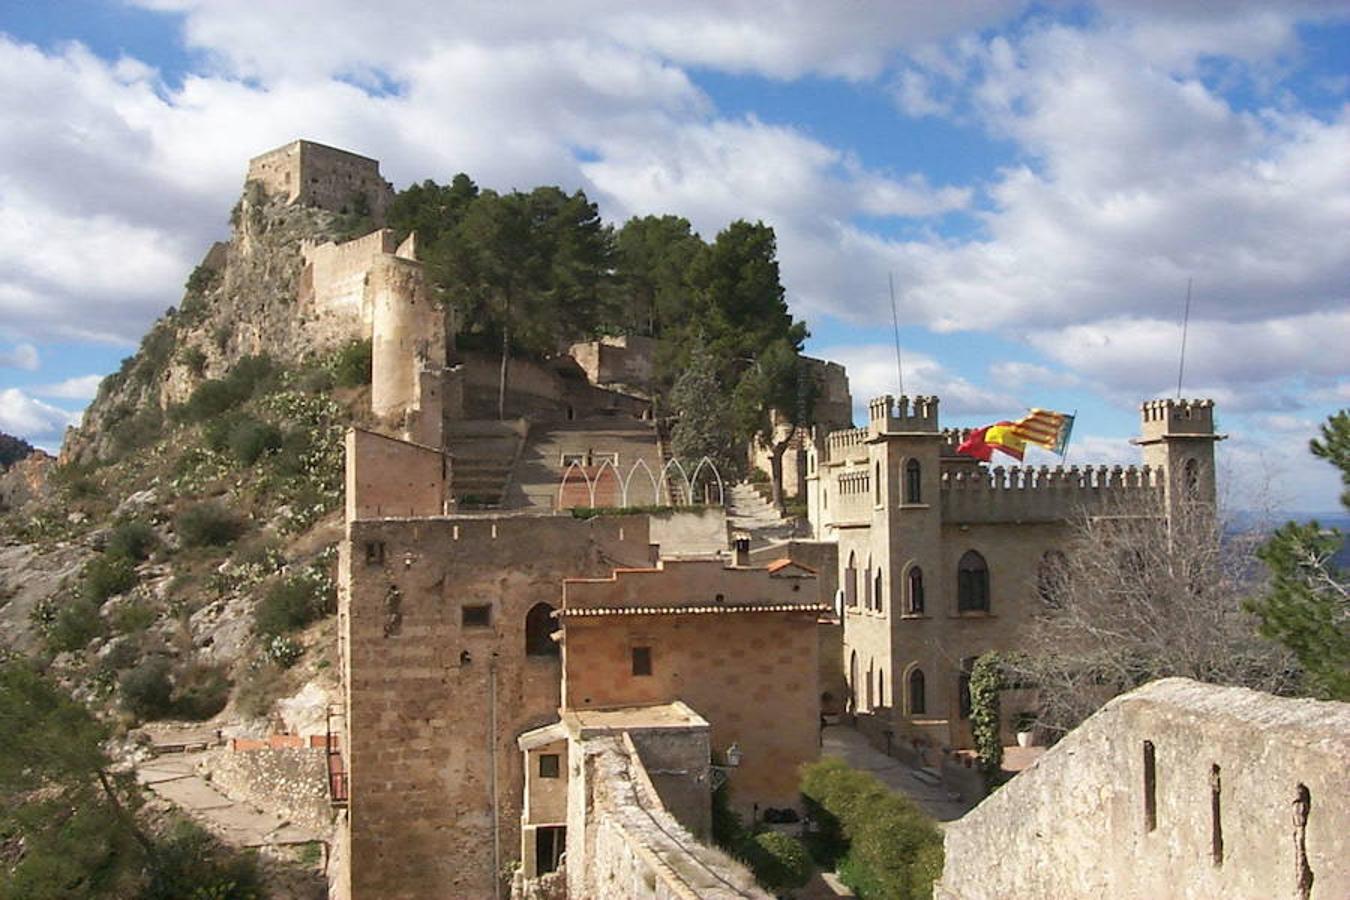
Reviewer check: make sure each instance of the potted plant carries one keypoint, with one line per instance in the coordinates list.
(1024, 724)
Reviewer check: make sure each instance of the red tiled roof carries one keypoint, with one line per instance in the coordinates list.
(779, 564)
(591, 611)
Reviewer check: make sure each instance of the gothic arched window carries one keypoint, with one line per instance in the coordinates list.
(913, 481)
(877, 488)
(915, 591)
(539, 631)
(918, 703)
(851, 581)
(876, 589)
(972, 583)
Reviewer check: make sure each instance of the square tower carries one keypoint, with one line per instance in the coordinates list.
(326, 177)
(1177, 438)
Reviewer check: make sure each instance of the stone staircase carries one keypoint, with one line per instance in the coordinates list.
(748, 511)
(483, 452)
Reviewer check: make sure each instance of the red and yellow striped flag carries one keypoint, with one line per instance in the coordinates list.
(1045, 428)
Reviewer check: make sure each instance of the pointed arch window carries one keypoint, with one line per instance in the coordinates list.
(913, 482)
(877, 489)
(972, 583)
(851, 581)
(915, 591)
(881, 687)
(867, 585)
(918, 701)
(853, 682)
(876, 589)
(539, 631)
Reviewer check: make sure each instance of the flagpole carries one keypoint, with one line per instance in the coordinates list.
(895, 324)
(1185, 324)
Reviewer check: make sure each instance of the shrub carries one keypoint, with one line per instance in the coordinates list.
(201, 280)
(106, 576)
(986, 683)
(251, 438)
(189, 862)
(133, 541)
(140, 430)
(288, 605)
(352, 365)
(194, 358)
(133, 618)
(208, 525)
(282, 651)
(780, 862)
(122, 654)
(251, 375)
(146, 690)
(200, 691)
(74, 626)
(889, 847)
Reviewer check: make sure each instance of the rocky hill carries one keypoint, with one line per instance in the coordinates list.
(239, 302)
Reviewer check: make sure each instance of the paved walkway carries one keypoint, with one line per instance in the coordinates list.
(934, 799)
(174, 777)
(748, 512)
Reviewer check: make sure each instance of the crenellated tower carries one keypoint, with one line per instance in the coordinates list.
(1177, 438)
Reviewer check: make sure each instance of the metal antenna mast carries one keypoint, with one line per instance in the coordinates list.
(895, 324)
(1185, 324)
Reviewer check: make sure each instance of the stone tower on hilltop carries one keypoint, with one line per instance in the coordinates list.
(326, 177)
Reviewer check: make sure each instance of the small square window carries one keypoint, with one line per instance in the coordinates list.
(479, 616)
(642, 660)
(548, 765)
(375, 553)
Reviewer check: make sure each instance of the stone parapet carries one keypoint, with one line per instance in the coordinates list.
(890, 415)
(1045, 493)
(847, 445)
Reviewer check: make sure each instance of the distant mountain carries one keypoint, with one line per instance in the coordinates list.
(1244, 521)
(13, 449)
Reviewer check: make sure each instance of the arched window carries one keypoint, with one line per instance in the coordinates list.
(972, 583)
(538, 631)
(1050, 577)
(867, 585)
(1190, 478)
(913, 494)
(881, 687)
(851, 581)
(877, 477)
(876, 588)
(916, 591)
(869, 687)
(918, 702)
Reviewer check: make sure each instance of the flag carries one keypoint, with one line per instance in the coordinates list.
(982, 442)
(1045, 428)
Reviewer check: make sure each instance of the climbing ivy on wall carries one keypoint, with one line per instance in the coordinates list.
(986, 681)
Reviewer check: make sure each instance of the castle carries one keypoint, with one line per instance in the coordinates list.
(525, 690)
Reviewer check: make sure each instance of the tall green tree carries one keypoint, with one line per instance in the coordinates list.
(1306, 606)
(774, 398)
(431, 209)
(67, 822)
(704, 427)
(654, 256)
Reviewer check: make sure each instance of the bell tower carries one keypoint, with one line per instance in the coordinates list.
(1178, 438)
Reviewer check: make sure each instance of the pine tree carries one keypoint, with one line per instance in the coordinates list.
(1306, 606)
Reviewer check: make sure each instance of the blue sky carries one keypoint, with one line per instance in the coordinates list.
(1041, 180)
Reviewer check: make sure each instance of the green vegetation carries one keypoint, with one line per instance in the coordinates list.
(202, 280)
(250, 376)
(1305, 605)
(291, 604)
(352, 364)
(106, 576)
(986, 682)
(780, 862)
(74, 626)
(208, 524)
(152, 690)
(132, 540)
(147, 692)
(884, 846)
(195, 359)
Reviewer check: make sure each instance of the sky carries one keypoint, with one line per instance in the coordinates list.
(1043, 183)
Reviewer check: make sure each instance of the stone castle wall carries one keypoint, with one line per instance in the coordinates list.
(318, 175)
(435, 701)
(1177, 789)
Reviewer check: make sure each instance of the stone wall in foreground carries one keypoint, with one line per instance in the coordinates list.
(1178, 789)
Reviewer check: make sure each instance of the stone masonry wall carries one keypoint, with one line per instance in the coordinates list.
(435, 701)
(1243, 798)
(291, 781)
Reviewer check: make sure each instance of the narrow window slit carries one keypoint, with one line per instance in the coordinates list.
(1150, 788)
(1215, 815)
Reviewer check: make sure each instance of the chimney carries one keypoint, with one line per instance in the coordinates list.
(742, 544)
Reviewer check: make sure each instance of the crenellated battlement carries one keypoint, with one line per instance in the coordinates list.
(887, 414)
(953, 438)
(1172, 417)
(847, 444)
(1043, 493)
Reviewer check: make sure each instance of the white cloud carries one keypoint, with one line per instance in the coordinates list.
(872, 372)
(22, 416)
(83, 387)
(23, 356)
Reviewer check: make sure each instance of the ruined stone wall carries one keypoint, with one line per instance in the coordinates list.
(1242, 799)
(621, 359)
(332, 291)
(436, 700)
(318, 175)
